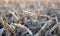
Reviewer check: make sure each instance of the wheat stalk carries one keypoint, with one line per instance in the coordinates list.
(7, 27)
(16, 12)
(30, 14)
(19, 25)
(21, 19)
(23, 27)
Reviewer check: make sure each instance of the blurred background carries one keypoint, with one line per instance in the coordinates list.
(43, 5)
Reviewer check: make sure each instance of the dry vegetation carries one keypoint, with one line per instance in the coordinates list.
(29, 17)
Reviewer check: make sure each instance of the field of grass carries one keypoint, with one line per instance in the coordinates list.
(29, 17)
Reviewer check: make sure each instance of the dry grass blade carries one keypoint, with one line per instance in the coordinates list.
(46, 24)
(54, 27)
(14, 15)
(23, 27)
